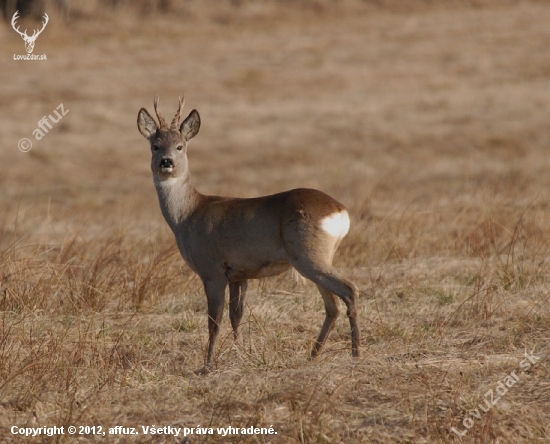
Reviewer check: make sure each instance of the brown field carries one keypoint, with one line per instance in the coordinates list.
(430, 123)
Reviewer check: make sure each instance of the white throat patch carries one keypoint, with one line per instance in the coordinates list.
(164, 183)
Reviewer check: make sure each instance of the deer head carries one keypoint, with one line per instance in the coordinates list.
(29, 41)
(168, 143)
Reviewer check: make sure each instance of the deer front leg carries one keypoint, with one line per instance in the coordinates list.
(215, 294)
(237, 293)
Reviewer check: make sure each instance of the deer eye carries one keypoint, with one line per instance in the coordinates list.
(155, 148)
(180, 147)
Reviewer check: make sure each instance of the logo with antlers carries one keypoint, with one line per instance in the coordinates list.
(29, 41)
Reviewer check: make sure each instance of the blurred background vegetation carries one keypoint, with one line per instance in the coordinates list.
(71, 9)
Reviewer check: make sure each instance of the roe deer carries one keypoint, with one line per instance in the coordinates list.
(227, 241)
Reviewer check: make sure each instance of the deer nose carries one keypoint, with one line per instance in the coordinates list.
(167, 162)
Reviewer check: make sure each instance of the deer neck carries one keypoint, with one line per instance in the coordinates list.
(178, 199)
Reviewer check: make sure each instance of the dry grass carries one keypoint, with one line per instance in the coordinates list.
(430, 124)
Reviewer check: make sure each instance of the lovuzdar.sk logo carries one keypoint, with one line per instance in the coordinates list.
(29, 40)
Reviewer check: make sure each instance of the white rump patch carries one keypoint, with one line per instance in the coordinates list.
(337, 224)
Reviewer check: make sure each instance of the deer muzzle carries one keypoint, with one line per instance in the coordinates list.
(167, 164)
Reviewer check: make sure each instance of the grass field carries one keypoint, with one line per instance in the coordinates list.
(430, 123)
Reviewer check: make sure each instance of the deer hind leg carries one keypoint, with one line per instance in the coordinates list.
(237, 293)
(215, 294)
(325, 277)
(310, 249)
(331, 310)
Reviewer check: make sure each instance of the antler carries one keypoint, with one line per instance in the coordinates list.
(162, 122)
(176, 119)
(37, 33)
(14, 18)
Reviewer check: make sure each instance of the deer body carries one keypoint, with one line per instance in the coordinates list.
(228, 241)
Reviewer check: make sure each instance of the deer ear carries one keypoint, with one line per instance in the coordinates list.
(146, 124)
(190, 126)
